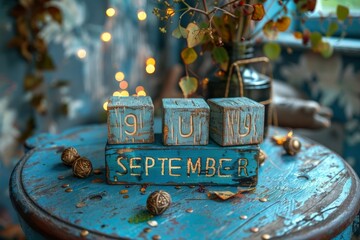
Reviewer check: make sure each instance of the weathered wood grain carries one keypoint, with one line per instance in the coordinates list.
(236, 121)
(313, 195)
(156, 164)
(185, 121)
(130, 120)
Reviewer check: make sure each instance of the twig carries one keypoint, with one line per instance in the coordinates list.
(224, 11)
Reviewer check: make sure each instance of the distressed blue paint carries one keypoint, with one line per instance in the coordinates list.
(185, 121)
(172, 165)
(313, 195)
(236, 121)
(130, 120)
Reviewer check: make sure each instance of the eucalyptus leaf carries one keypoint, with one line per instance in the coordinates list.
(188, 85)
(188, 55)
(195, 35)
(315, 39)
(259, 12)
(326, 49)
(333, 27)
(272, 50)
(220, 55)
(282, 24)
(342, 12)
(270, 30)
(179, 32)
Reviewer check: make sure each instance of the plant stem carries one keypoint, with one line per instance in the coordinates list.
(246, 27)
(225, 11)
(240, 29)
(205, 6)
(224, 6)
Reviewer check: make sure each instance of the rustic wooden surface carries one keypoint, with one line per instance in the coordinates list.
(182, 165)
(185, 121)
(313, 195)
(130, 120)
(236, 121)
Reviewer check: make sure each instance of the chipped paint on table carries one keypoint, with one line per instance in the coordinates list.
(182, 165)
(313, 195)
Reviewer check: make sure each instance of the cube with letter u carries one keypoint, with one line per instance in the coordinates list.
(130, 120)
(185, 121)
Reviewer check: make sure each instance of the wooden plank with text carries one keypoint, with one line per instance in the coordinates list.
(236, 121)
(157, 164)
(130, 120)
(185, 121)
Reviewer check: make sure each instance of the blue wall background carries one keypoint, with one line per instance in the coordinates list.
(333, 82)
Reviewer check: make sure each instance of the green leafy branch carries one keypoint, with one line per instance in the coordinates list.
(210, 30)
(216, 24)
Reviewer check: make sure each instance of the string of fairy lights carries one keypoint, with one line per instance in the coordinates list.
(150, 64)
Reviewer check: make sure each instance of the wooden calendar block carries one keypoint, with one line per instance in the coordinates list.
(185, 121)
(130, 120)
(236, 121)
(156, 164)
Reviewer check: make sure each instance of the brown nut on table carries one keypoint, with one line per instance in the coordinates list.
(69, 155)
(82, 167)
(158, 202)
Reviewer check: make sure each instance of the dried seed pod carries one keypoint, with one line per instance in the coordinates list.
(158, 202)
(292, 145)
(69, 155)
(261, 156)
(82, 167)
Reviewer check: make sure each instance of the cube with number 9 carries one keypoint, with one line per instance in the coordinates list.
(130, 120)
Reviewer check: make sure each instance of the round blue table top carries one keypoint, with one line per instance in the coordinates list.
(311, 195)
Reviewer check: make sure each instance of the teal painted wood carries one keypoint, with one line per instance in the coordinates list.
(185, 121)
(181, 165)
(236, 121)
(313, 195)
(130, 120)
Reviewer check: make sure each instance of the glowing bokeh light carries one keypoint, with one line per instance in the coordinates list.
(81, 53)
(123, 85)
(139, 88)
(105, 105)
(116, 94)
(142, 15)
(141, 93)
(150, 69)
(124, 93)
(106, 36)
(150, 61)
(110, 12)
(119, 76)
